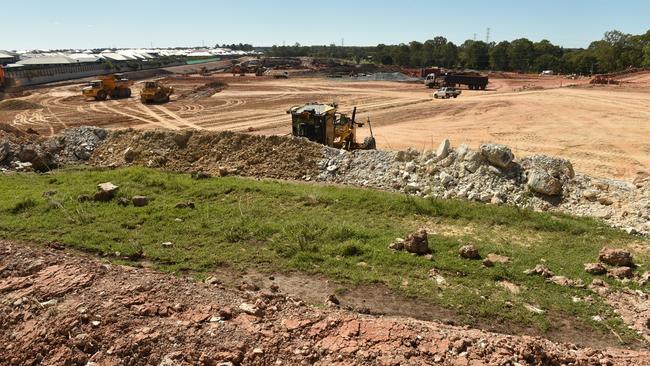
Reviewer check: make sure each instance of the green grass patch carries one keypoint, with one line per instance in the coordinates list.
(278, 226)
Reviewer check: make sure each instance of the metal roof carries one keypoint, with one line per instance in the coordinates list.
(318, 109)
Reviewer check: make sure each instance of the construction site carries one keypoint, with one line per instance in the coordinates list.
(298, 211)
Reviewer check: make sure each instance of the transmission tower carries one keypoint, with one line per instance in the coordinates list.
(487, 35)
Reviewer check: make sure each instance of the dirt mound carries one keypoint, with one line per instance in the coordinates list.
(18, 105)
(215, 153)
(62, 309)
(205, 90)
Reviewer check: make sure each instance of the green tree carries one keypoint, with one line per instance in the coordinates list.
(521, 54)
(499, 56)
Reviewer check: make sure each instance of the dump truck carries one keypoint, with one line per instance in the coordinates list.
(155, 92)
(115, 86)
(322, 123)
(472, 80)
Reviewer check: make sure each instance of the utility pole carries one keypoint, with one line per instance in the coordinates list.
(487, 35)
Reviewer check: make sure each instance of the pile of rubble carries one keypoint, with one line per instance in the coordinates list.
(60, 309)
(492, 175)
(212, 153)
(23, 151)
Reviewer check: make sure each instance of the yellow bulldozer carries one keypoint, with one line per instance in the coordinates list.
(323, 124)
(115, 86)
(155, 92)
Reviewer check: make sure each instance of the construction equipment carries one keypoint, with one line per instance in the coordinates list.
(238, 70)
(472, 80)
(155, 92)
(115, 85)
(323, 124)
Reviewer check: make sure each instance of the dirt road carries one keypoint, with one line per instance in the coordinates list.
(603, 130)
(62, 309)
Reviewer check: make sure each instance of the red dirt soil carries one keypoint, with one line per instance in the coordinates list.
(62, 309)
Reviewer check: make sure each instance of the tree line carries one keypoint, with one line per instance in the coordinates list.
(616, 51)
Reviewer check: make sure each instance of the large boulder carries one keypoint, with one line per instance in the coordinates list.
(556, 167)
(540, 181)
(417, 242)
(498, 155)
(616, 257)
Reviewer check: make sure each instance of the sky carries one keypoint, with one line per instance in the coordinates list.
(58, 24)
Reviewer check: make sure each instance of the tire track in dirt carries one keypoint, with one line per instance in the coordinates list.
(177, 118)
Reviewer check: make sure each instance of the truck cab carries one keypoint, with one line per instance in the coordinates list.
(430, 81)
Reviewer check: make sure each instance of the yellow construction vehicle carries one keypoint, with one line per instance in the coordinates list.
(155, 92)
(116, 86)
(323, 124)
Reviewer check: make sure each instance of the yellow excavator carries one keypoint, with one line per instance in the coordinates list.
(115, 86)
(323, 124)
(155, 92)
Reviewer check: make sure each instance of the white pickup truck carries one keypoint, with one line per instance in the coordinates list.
(446, 93)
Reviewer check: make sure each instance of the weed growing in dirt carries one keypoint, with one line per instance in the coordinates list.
(341, 233)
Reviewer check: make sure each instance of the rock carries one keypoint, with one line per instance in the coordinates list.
(555, 167)
(540, 270)
(541, 182)
(620, 273)
(473, 161)
(487, 262)
(188, 204)
(590, 195)
(595, 268)
(130, 155)
(250, 309)
(123, 201)
(417, 243)
(446, 179)
(644, 279)
(605, 201)
(106, 192)
(140, 201)
(498, 155)
(167, 244)
(443, 149)
(496, 258)
(566, 282)
(398, 244)
(462, 150)
(616, 257)
(469, 252)
(27, 154)
(332, 300)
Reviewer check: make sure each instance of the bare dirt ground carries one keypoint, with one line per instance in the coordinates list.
(62, 309)
(603, 130)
